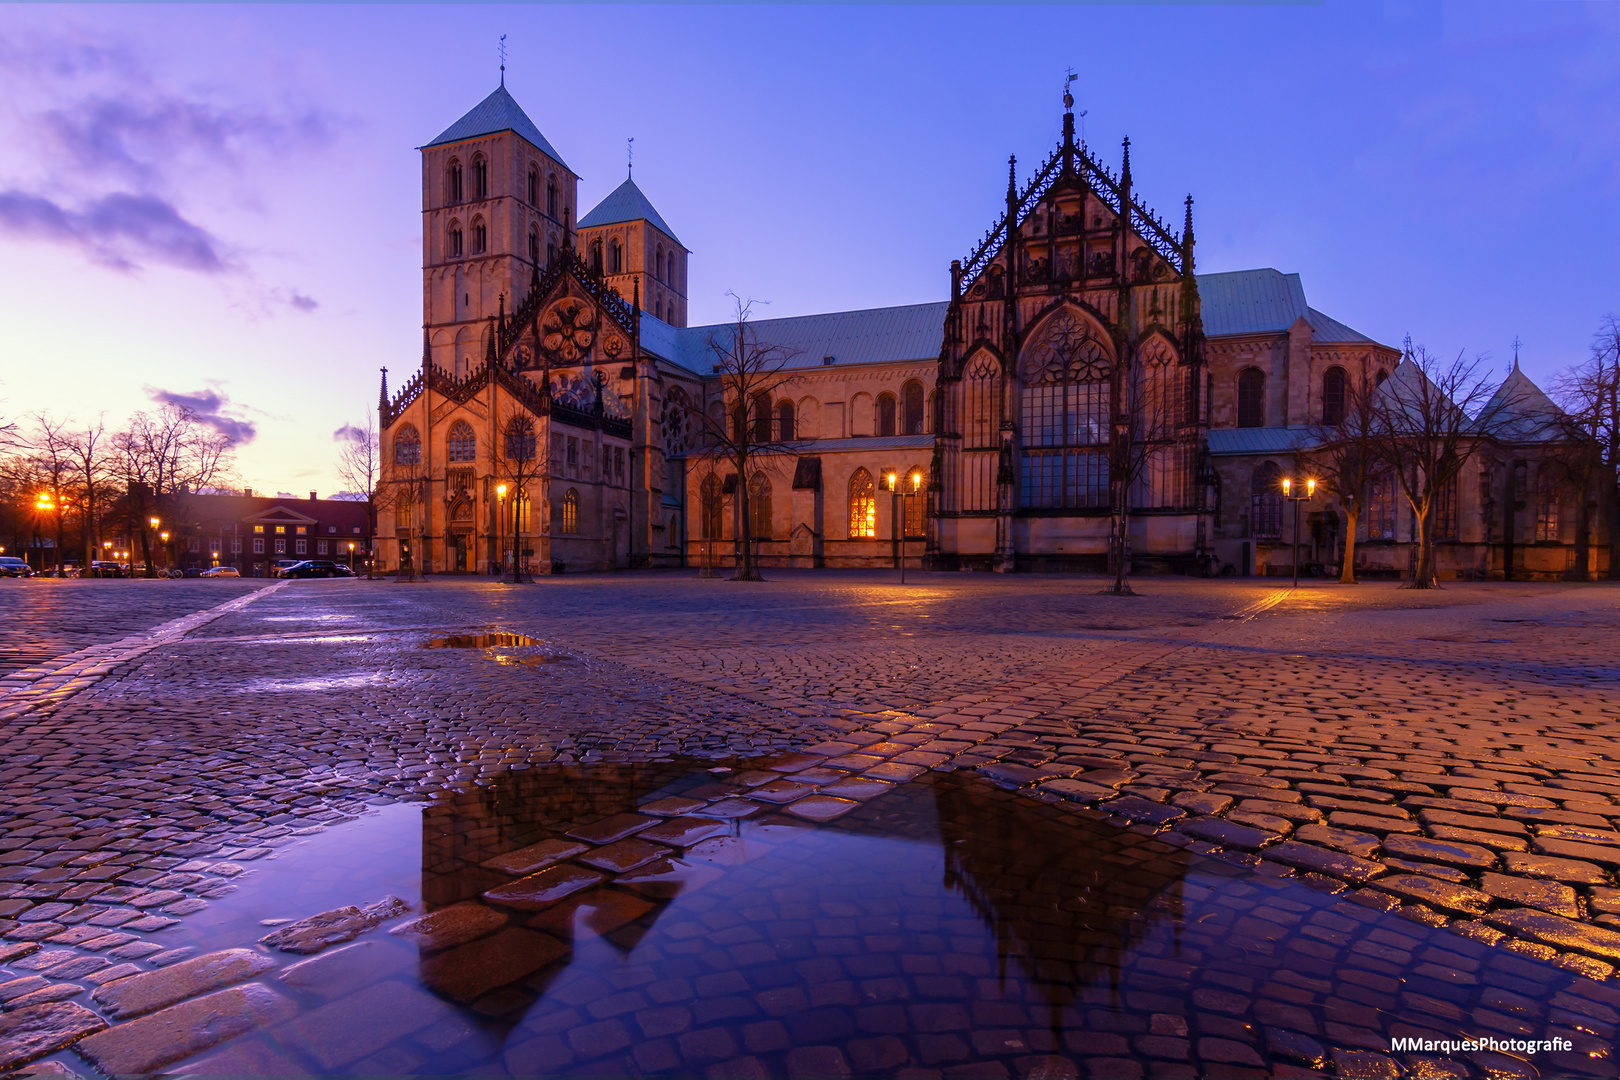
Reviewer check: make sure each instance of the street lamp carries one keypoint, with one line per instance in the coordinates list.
(351, 556)
(1288, 493)
(500, 525)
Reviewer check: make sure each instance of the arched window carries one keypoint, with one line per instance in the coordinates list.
(1334, 384)
(1251, 398)
(534, 185)
(551, 254)
(480, 178)
(911, 408)
(785, 429)
(1380, 514)
(762, 418)
(1546, 504)
(551, 196)
(862, 506)
(534, 247)
(452, 242)
(596, 255)
(914, 495)
(658, 308)
(711, 518)
(407, 446)
(759, 507)
(1266, 502)
(480, 236)
(462, 444)
(1382, 375)
(570, 512)
(658, 264)
(615, 258)
(1067, 426)
(520, 439)
(885, 414)
(452, 182)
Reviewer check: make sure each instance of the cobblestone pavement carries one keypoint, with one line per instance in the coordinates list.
(1450, 757)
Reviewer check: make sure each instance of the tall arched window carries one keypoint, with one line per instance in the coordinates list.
(452, 182)
(480, 236)
(452, 240)
(551, 254)
(658, 264)
(1251, 398)
(658, 308)
(1334, 384)
(551, 196)
(762, 418)
(914, 495)
(885, 414)
(1266, 501)
(596, 255)
(759, 507)
(462, 444)
(785, 428)
(911, 408)
(1380, 514)
(570, 512)
(534, 185)
(480, 178)
(1547, 510)
(520, 439)
(862, 506)
(711, 518)
(615, 258)
(534, 247)
(407, 446)
(1066, 419)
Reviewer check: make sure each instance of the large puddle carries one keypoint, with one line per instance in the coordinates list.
(666, 919)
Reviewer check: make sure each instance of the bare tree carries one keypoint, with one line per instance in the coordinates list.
(1589, 394)
(1349, 450)
(1432, 415)
(90, 453)
(51, 449)
(520, 462)
(750, 373)
(1148, 408)
(360, 470)
(159, 457)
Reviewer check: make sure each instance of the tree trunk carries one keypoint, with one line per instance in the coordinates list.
(146, 552)
(1347, 572)
(1423, 575)
(1614, 532)
(745, 561)
(1581, 571)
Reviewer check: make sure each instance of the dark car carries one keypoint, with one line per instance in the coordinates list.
(311, 568)
(106, 569)
(14, 567)
(342, 570)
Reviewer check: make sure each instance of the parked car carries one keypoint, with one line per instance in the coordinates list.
(221, 571)
(106, 569)
(283, 564)
(11, 566)
(342, 570)
(311, 568)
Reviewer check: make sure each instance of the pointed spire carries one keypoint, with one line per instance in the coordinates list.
(1516, 344)
(489, 351)
(382, 394)
(568, 229)
(1125, 169)
(427, 350)
(501, 325)
(635, 298)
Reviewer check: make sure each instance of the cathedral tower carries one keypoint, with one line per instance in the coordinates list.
(497, 201)
(625, 238)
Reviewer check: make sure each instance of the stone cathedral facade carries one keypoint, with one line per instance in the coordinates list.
(1080, 360)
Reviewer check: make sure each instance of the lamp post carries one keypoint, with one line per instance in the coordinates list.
(500, 526)
(1288, 493)
(150, 572)
(351, 556)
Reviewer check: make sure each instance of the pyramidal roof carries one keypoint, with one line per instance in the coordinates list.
(626, 203)
(1524, 411)
(498, 112)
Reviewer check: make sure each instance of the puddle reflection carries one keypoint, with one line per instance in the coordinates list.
(661, 919)
(482, 641)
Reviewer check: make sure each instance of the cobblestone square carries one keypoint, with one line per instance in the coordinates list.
(1367, 814)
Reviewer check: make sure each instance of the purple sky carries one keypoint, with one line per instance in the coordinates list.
(221, 204)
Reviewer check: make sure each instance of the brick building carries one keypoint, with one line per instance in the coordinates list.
(251, 532)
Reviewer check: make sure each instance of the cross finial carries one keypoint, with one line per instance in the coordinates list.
(630, 156)
(1516, 344)
(503, 59)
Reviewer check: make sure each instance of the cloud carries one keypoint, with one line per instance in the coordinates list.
(350, 433)
(119, 230)
(209, 406)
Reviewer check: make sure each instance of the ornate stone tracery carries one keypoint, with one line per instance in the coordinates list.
(1065, 352)
(568, 327)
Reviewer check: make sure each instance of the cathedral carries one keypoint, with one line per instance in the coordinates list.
(1080, 364)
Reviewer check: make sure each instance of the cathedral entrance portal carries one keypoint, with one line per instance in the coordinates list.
(458, 553)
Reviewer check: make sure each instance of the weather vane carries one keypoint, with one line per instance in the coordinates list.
(630, 156)
(503, 59)
(1068, 98)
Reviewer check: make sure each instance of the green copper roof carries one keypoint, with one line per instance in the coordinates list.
(496, 113)
(626, 203)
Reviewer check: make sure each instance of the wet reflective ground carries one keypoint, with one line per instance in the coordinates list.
(666, 919)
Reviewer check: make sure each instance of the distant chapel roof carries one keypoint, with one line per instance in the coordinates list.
(496, 113)
(1524, 412)
(626, 203)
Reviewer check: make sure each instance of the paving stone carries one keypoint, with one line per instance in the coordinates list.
(344, 970)
(683, 831)
(821, 807)
(1334, 863)
(1570, 871)
(142, 994)
(469, 971)
(622, 855)
(37, 1030)
(1134, 808)
(1075, 791)
(1558, 932)
(1601, 854)
(1440, 894)
(12, 989)
(342, 924)
(1440, 851)
(547, 887)
(613, 828)
(858, 787)
(672, 806)
(528, 860)
(1226, 833)
(1360, 844)
(731, 808)
(1546, 895)
(782, 791)
(178, 1032)
(355, 1027)
(450, 926)
(667, 878)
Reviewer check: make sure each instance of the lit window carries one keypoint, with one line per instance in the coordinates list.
(258, 528)
(281, 529)
(570, 512)
(862, 506)
(300, 530)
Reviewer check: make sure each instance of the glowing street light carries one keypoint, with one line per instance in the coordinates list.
(500, 524)
(1288, 493)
